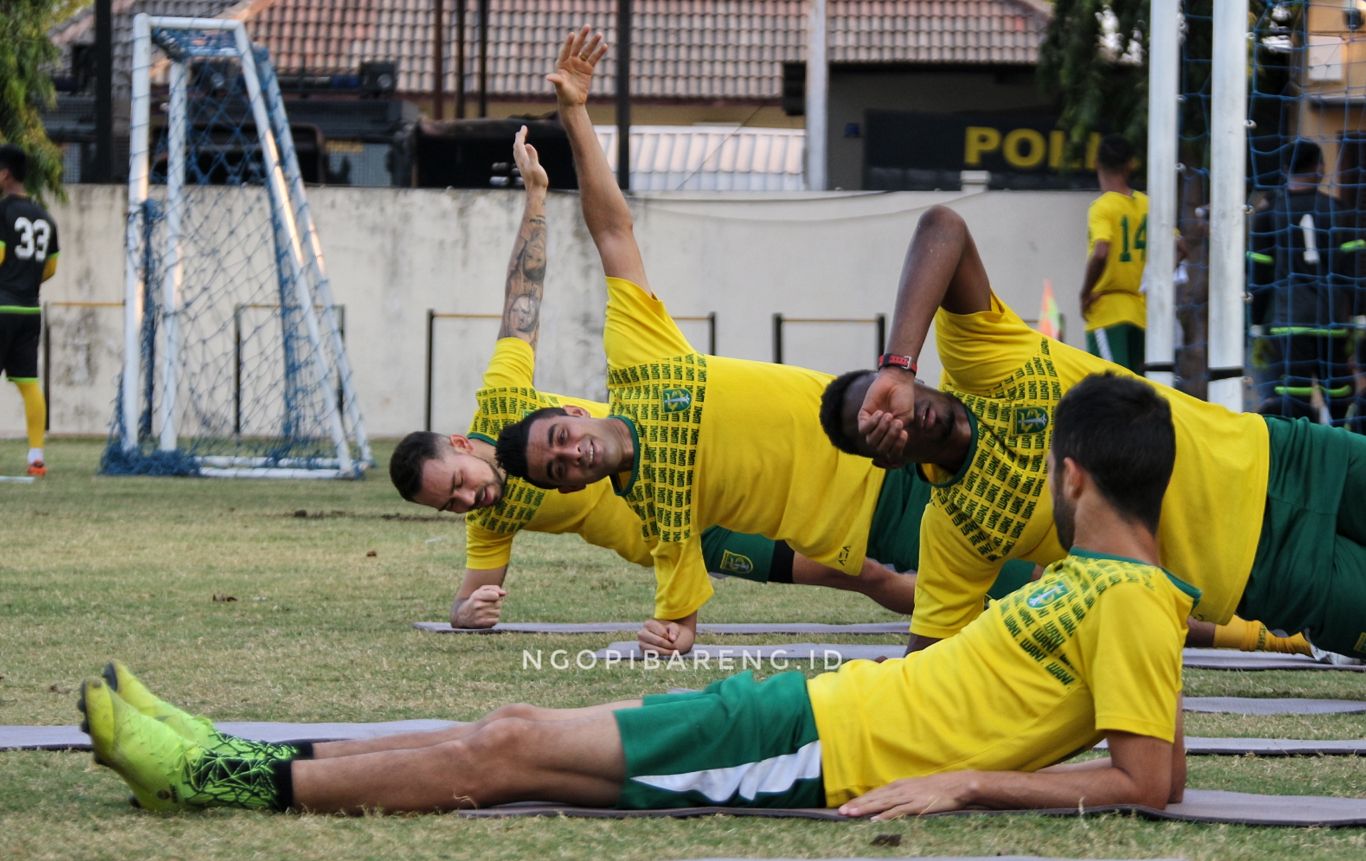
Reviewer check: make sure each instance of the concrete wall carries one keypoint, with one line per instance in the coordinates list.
(394, 254)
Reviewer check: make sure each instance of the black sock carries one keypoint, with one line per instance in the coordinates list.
(282, 775)
(304, 748)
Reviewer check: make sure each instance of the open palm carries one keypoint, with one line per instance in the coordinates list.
(573, 73)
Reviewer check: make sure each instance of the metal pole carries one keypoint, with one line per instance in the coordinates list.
(1164, 64)
(1227, 241)
(817, 98)
(438, 60)
(103, 164)
(237, 370)
(137, 193)
(777, 339)
(176, 144)
(47, 368)
(624, 94)
(881, 333)
(459, 59)
(483, 58)
(431, 326)
(711, 333)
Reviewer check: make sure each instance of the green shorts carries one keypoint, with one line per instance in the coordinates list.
(1122, 343)
(894, 535)
(1310, 570)
(738, 743)
(752, 557)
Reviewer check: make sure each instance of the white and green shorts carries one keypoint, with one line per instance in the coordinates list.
(738, 743)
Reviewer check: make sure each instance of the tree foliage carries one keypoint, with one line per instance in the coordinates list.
(27, 57)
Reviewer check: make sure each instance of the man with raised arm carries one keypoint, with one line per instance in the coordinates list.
(1263, 516)
(1090, 651)
(457, 473)
(696, 441)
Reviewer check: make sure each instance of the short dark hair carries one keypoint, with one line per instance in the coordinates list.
(832, 411)
(1304, 157)
(15, 160)
(1119, 429)
(512, 443)
(412, 454)
(1115, 153)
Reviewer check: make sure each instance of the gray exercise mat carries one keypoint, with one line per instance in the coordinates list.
(1272, 706)
(829, 655)
(1200, 805)
(1229, 659)
(704, 627)
(71, 738)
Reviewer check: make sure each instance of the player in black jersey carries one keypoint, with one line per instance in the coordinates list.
(28, 257)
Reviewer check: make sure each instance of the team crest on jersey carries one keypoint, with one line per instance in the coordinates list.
(1043, 598)
(1029, 420)
(736, 563)
(675, 400)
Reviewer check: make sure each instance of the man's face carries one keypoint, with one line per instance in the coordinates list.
(459, 481)
(572, 451)
(929, 436)
(1064, 510)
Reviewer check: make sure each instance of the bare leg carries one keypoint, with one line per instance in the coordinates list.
(410, 740)
(894, 591)
(578, 761)
(1199, 635)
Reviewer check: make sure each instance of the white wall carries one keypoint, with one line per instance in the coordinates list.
(393, 254)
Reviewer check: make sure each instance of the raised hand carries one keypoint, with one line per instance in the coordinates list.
(888, 408)
(534, 177)
(573, 73)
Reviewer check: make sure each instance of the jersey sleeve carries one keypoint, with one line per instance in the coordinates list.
(1134, 665)
(681, 581)
(952, 581)
(485, 549)
(1100, 226)
(513, 365)
(638, 328)
(980, 350)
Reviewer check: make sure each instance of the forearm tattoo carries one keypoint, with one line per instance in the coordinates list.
(525, 283)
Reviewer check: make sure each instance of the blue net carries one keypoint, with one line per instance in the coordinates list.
(240, 344)
(1306, 183)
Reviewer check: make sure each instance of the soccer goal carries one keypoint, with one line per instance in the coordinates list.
(234, 360)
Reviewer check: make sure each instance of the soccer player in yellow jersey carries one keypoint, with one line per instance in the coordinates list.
(1263, 514)
(1092, 650)
(696, 441)
(457, 473)
(1116, 311)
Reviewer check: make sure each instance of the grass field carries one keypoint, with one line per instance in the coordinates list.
(292, 601)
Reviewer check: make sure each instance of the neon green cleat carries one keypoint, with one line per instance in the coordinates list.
(192, 728)
(103, 709)
(169, 770)
(199, 730)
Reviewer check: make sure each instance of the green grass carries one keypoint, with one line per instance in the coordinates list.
(225, 599)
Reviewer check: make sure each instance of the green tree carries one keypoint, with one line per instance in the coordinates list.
(27, 57)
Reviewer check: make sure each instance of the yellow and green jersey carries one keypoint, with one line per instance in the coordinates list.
(1093, 646)
(595, 513)
(725, 442)
(1122, 221)
(997, 507)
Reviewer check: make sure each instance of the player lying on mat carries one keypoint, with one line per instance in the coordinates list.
(698, 441)
(1264, 514)
(1092, 650)
(457, 473)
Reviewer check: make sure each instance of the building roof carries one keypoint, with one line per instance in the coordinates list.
(707, 50)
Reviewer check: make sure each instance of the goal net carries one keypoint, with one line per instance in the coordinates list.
(234, 363)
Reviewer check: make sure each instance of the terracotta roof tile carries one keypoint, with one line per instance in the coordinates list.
(682, 49)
